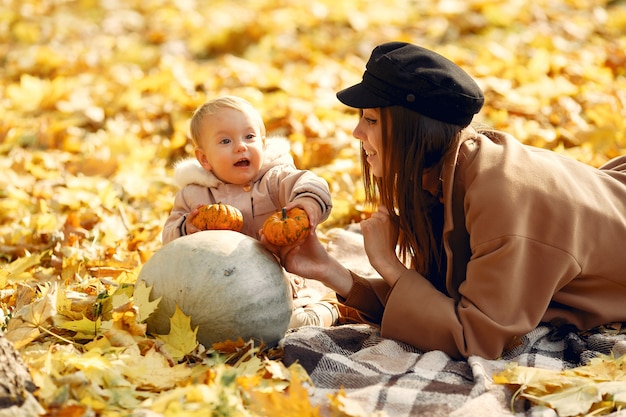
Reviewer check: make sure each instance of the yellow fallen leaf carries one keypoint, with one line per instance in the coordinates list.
(107, 304)
(570, 401)
(30, 321)
(182, 339)
(127, 321)
(571, 392)
(141, 300)
(4, 277)
(119, 338)
(198, 400)
(293, 402)
(18, 269)
(85, 328)
(97, 366)
(151, 371)
(342, 406)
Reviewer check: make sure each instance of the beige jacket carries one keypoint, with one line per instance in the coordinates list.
(529, 235)
(277, 183)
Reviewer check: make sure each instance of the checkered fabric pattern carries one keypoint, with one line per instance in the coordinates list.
(383, 377)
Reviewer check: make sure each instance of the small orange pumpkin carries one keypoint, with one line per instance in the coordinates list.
(285, 228)
(218, 216)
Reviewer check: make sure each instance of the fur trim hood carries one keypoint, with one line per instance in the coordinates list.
(189, 171)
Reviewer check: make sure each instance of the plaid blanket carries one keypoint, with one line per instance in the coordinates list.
(383, 377)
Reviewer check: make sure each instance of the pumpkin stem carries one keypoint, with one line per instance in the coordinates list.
(284, 212)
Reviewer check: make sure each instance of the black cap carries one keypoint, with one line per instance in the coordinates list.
(402, 74)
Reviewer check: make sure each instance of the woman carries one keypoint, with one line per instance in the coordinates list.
(496, 236)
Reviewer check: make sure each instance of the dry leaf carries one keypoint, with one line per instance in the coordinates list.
(141, 300)
(181, 340)
(294, 402)
(32, 320)
(571, 392)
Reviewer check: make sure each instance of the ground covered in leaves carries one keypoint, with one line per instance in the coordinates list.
(95, 98)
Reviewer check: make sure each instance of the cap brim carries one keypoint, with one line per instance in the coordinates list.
(360, 97)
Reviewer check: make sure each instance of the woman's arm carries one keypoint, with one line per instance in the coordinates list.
(309, 259)
(505, 295)
(381, 238)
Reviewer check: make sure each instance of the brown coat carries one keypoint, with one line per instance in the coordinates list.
(530, 236)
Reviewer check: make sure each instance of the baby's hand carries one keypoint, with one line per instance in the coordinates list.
(311, 207)
(189, 227)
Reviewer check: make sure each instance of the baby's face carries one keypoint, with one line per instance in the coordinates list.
(231, 146)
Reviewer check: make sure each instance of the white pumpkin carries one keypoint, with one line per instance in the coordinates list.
(227, 282)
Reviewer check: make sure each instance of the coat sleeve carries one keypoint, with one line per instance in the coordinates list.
(368, 297)
(505, 295)
(186, 199)
(175, 224)
(288, 184)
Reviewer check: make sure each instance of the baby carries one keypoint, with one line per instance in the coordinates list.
(236, 164)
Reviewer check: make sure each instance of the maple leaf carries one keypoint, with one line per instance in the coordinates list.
(30, 321)
(182, 339)
(17, 270)
(570, 401)
(278, 377)
(126, 320)
(106, 304)
(97, 366)
(119, 337)
(86, 329)
(4, 277)
(152, 370)
(602, 368)
(64, 305)
(73, 410)
(199, 400)
(141, 300)
(526, 376)
(342, 406)
(571, 392)
(229, 346)
(293, 402)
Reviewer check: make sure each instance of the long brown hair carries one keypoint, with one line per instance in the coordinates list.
(412, 143)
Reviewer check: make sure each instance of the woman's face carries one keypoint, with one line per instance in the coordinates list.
(369, 132)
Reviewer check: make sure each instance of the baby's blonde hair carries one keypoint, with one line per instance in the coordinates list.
(211, 107)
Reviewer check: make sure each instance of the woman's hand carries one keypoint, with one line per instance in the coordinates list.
(309, 259)
(381, 238)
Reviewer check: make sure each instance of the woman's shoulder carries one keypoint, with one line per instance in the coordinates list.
(501, 150)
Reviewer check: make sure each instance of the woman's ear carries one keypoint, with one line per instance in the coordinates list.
(201, 157)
